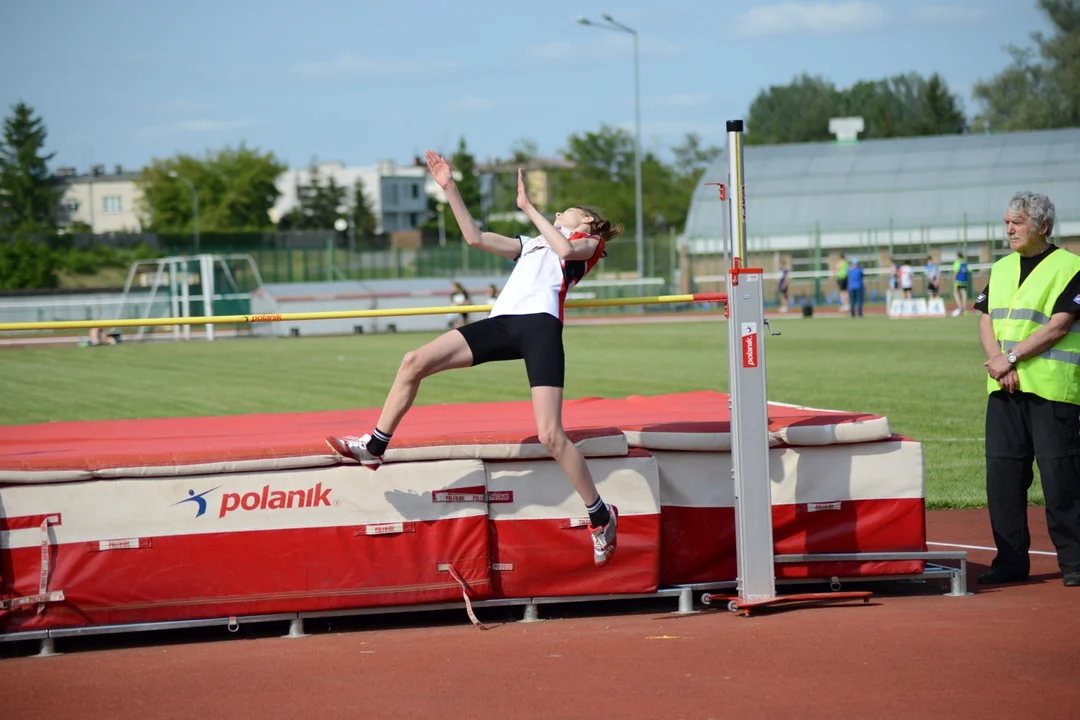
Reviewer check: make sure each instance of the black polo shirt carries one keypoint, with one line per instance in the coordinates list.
(1068, 301)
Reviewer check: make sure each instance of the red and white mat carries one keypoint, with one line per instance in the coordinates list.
(138, 521)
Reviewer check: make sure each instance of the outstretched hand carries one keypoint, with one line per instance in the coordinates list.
(523, 196)
(439, 169)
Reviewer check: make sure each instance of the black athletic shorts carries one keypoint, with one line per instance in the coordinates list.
(841, 283)
(536, 339)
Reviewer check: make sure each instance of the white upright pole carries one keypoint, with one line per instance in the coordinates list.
(748, 396)
(206, 273)
(174, 297)
(185, 295)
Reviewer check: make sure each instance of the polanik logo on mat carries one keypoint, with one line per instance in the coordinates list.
(267, 499)
(199, 500)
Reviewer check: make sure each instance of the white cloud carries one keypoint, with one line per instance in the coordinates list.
(195, 126)
(810, 18)
(356, 65)
(600, 47)
(472, 103)
(951, 15)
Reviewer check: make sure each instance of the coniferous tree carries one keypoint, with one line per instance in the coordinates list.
(28, 194)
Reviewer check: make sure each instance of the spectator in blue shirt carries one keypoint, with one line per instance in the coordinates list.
(856, 290)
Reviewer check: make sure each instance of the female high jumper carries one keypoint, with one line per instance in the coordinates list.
(525, 323)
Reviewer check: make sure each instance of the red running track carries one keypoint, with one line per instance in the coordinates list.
(1007, 652)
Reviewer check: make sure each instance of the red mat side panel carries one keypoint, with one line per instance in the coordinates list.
(698, 543)
(205, 546)
(541, 546)
(848, 527)
(840, 499)
(250, 573)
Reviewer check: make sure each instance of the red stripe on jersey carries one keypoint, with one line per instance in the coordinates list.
(589, 265)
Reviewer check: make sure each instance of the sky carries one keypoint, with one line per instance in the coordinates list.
(122, 83)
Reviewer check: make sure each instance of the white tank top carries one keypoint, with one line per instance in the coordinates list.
(541, 278)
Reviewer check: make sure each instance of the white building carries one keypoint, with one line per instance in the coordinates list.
(112, 202)
(106, 202)
(397, 195)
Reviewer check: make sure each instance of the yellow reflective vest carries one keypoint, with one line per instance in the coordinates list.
(1019, 310)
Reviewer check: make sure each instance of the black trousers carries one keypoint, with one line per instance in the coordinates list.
(1020, 428)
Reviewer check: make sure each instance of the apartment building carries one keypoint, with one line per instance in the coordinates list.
(107, 202)
(396, 195)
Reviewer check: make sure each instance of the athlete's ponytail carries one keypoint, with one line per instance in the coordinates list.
(601, 226)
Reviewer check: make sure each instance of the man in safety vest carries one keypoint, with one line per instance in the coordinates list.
(1033, 409)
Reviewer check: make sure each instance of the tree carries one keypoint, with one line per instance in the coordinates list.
(793, 113)
(363, 217)
(236, 189)
(692, 157)
(28, 195)
(941, 111)
(901, 106)
(1038, 90)
(318, 206)
(27, 264)
(602, 174)
(906, 105)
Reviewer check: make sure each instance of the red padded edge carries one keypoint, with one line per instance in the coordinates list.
(92, 446)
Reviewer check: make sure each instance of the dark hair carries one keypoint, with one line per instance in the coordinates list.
(601, 226)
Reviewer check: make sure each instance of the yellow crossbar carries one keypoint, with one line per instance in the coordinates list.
(336, 315)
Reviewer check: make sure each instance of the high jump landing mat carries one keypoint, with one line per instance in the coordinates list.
(139, 521)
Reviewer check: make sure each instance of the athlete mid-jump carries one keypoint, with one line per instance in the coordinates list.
(525, 323)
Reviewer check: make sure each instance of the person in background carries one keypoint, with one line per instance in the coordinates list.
(856, 287)
(460, 296)
(894, 280)
(961, 278)
(782, 287)
(99, 337)
(933, 275)
(842, 282)
(493, 295)
(906, 277)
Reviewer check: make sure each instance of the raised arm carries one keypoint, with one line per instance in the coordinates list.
(582, 249)
(492, 242)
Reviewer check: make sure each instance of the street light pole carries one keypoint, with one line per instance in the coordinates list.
(612, 24)
(194, 203)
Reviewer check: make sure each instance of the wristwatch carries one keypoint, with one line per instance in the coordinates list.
(1011, 357)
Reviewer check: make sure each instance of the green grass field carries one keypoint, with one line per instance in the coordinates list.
(926, 376)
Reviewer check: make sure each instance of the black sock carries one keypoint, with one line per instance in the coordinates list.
(598, 513)
(378, 442)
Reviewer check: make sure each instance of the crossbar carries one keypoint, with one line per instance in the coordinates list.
(339, 314)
